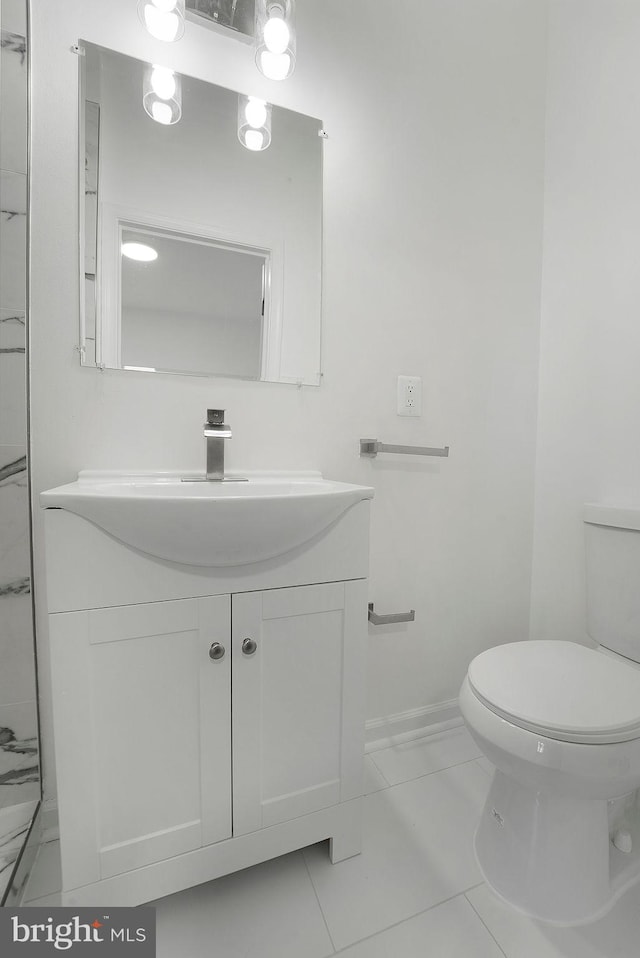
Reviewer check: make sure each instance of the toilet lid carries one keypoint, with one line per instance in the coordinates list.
(561, 690)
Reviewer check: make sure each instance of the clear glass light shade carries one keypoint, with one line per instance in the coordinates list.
(164, 19)
(162, 95)
(254, 123)
(275, 38)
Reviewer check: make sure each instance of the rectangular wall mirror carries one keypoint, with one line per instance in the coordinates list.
(199, 256)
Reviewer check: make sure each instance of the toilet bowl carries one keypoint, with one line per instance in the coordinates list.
(559, 836)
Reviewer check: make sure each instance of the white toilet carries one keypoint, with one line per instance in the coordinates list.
(559, 836)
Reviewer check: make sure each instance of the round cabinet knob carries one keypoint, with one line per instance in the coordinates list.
(216, 651)
(249, 646)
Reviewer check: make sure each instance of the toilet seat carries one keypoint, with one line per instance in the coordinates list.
(560, 690)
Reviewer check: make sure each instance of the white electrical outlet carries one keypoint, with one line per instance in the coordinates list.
(409, 396)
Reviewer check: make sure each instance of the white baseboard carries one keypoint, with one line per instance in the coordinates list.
(49, 821)
(412, 724)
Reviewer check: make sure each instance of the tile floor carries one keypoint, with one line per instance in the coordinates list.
(415, 892)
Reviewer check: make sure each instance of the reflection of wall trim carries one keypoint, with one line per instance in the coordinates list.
(414, 723)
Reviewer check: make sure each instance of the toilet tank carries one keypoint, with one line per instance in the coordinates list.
(612, 542)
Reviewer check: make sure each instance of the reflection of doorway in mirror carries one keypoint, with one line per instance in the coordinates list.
(236, 15)
(193, 303)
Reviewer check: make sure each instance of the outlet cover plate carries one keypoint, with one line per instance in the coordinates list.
(409, 396)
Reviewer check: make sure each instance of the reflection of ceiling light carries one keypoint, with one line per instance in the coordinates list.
(164, 19)
(254, 122)
(163, 82)
(254, 140)
(139, 252)
(161, 112)
(162, 94)
(275, 38)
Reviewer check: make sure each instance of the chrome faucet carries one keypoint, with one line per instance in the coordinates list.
(216, 432)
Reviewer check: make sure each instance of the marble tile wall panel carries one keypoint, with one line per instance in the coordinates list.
(18, 712)
(19, 763)
(13, 16)
(19, 773)
(14, 529)
(17, 679)
(13, 94)
(14, 826)
(13, 239)
(13, 391)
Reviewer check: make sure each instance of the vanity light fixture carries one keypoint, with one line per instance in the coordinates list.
(275, 38)
(139, 251)
(162, 95)
(164, 19)
(254, 122)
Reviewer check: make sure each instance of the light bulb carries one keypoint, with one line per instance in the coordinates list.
(139, 251)
(161, 112)
(253, 139)
(163, 82)
(254, 122)
(162, 94)
(165, 5)
(276, 35)
(162, 26)
(256, 112)
(275, 66)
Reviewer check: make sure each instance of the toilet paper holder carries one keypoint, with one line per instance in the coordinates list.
(376, 619)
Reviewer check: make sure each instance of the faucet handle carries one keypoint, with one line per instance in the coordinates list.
(215, 426)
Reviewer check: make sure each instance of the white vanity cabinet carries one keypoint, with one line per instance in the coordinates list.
(291, 712)
(214, 723)
(136, 692)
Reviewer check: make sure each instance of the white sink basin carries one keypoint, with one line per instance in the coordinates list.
(208, 523)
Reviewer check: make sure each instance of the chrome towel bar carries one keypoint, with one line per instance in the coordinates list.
(376, 619)
(371, 448)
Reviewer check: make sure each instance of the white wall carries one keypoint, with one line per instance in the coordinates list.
(589, 421)
(229, 345)
(433, 200)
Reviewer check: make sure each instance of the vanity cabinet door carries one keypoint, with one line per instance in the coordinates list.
(142, 733)
(298, 735)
